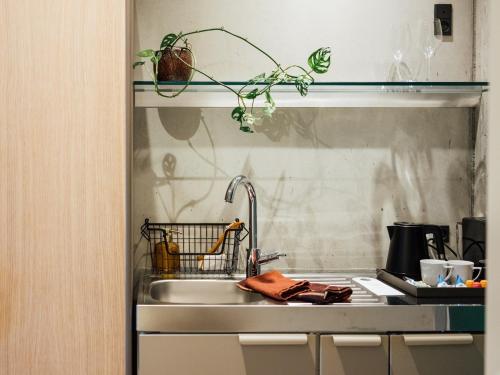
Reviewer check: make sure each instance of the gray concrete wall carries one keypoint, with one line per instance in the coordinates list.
(480, 73)
(328, 180)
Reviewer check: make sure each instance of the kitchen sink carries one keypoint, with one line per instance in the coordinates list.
(203, 292)
(219, 306)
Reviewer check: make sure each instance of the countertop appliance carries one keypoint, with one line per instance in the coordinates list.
(409, 244)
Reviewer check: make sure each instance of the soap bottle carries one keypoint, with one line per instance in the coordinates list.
(160, 256)
(171, 260)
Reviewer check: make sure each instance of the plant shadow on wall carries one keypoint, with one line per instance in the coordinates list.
(286, 121)
(179, 124)
(188, 126)
(182, 124)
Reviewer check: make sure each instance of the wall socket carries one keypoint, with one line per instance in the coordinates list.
(444, 12)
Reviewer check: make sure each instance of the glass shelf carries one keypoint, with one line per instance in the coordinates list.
(321, 94)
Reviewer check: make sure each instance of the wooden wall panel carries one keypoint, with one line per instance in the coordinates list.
(63, 197)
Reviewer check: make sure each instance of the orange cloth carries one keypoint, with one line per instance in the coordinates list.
(274, 285)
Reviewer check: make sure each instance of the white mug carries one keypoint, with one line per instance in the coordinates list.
(464, 269)
(431, 269)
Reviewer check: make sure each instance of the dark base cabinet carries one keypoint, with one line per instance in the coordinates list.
(437, 354)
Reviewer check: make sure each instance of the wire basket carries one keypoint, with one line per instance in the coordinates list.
(188, 249)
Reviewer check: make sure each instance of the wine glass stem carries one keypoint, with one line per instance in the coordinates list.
(428, 78)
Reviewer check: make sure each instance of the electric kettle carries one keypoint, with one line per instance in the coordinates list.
(409, 244)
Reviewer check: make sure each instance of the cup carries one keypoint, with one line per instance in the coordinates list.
(431, 269)
(464, 269)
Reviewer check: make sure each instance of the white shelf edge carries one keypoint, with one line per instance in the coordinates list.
(149, 99)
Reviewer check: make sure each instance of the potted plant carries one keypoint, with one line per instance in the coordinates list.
(175, 61)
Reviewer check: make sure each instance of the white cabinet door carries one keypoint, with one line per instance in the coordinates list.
(354, 354)
(437, 354)
(233, 354)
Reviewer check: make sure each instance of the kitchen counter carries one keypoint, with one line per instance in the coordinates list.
(366, 313)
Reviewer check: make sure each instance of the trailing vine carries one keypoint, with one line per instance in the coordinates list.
(260, 85)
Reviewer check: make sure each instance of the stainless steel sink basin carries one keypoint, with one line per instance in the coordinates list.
(204, 292)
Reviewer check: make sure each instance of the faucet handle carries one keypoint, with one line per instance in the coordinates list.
(256, 258)
(270, 257)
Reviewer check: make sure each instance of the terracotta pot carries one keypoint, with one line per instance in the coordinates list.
(171, 68)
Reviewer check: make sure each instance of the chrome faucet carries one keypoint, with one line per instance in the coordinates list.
(254, 256)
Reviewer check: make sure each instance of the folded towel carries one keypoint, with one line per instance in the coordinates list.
(322, 294)
(274, 285)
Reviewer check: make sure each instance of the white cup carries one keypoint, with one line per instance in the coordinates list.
(464, 269)
(431, 269)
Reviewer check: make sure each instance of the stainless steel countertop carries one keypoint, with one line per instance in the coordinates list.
(366, 313)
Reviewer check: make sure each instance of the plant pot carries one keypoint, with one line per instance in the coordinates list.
(171, 66)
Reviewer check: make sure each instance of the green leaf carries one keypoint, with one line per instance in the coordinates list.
(257, 79)
(302, 84)
(252, 94)
(237, 114)
(137, 63)
(168, 41)
(156, 57)
(269, 98)
(270, 105)
(146, 53)
(319, 60)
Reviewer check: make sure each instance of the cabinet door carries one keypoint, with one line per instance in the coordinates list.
(255, 354)
(354, 354)
(439, 354)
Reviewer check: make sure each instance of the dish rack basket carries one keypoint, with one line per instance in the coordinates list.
(191, 256)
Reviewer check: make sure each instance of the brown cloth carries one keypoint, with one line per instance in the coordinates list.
(322, 294)
(274, 285)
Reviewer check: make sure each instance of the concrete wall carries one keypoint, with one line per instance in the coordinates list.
(493, 291)
(328, 180)
(480, 73)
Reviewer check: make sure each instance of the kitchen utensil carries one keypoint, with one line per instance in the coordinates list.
(409, 244)
(432, 269)
(236, 224)
(465, 269)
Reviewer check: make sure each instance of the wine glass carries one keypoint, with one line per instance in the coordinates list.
(430, 36)
(399, 71)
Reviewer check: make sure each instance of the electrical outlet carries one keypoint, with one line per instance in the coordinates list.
(444, 12)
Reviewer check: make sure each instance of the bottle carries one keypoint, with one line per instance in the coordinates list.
(171, 260)
(160, 256)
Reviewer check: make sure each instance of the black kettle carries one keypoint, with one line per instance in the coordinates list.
(409, 245)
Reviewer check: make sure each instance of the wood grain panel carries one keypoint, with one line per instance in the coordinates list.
(63, 197)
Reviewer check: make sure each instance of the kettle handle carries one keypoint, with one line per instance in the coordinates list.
(438, 237)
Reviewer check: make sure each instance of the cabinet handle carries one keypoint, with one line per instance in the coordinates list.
(288, 339)
(357, 340)
(438, 339)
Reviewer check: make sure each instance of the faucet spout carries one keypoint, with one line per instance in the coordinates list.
(254, 256)
(252, 201)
